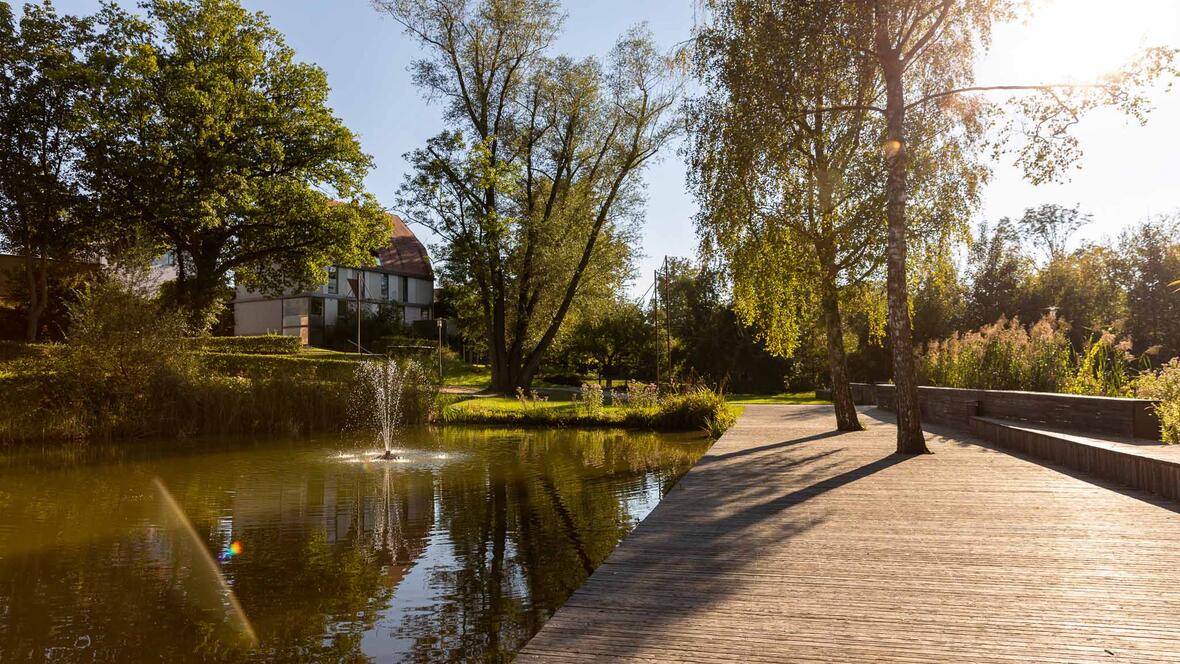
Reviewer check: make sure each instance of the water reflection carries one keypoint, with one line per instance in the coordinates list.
(457, 554)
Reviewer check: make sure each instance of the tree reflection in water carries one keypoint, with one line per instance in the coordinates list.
(442, 559)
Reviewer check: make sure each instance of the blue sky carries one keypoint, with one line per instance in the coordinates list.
(1128, 173)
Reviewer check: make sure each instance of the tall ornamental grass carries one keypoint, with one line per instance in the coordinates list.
(1001, 356)
(1006, 356)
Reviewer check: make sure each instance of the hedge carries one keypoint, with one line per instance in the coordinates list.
(265, 344)
(279, 366)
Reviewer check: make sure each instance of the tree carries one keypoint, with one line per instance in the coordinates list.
(788, 174)
(1083, 288)
(787, 193)
(924, 52)
(1149, 260)
(617, 339)
(45, 84)
(217, 145)
(998, 269)
(535, 188)
(1051, 226)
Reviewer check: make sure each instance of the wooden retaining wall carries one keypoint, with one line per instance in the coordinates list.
(1159, 476)
(1111, 416)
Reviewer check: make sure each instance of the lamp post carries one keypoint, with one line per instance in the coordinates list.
(440, 322)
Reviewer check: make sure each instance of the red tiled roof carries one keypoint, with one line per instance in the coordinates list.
(405, 254)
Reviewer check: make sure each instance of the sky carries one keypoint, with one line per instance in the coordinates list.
(1128, 172)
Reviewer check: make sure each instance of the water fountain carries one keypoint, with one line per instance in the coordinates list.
(384, 383)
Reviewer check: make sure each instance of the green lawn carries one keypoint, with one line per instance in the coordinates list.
(783, 398)
(457, 373)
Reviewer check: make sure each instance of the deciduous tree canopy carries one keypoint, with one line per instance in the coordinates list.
(214, 142)
(535, 188)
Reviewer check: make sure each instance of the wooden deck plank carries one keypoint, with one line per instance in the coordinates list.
(791, 542)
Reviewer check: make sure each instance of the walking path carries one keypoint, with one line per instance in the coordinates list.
(790, 542)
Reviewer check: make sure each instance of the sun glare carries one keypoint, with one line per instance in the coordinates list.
(1074, 40)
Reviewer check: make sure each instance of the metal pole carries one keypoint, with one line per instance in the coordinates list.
(667, 323)
(655, 309)
(359, 285)
(441, 322)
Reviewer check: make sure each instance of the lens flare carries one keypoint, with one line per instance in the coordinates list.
(206, 568)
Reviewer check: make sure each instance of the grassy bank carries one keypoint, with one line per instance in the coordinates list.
(699, 411)
(55, 392)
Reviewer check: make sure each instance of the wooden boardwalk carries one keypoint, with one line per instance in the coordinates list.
(790, 542)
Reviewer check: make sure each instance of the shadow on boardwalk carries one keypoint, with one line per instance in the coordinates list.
(791, 542)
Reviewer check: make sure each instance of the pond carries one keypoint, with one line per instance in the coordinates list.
(285, 550)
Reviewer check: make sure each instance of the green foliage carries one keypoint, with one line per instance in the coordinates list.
(120, 374)
(709, 343)
(695, 410)
(590, 398)
(1008, 356)
(997, 268)
(1149, 256)
(1050, 227)
(120, 353)
(263, 344)
(1103, 368)
(216, 143)
(534, 188)
(46, 85)
(613, 341)
(699, 410)
(1163, 386)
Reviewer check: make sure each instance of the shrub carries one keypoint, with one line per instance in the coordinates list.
(1163, 386)
(643, 395)
(1103, 368)
(265, 344)
(699, 409)
(591, 398)
(120, 348)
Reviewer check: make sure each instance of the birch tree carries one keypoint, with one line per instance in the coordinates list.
(924, 53)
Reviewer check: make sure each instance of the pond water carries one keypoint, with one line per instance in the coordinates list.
(305, 550)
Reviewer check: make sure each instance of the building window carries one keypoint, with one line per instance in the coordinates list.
(384, 286)
(405, 284)
(333, 280)
(317, 307)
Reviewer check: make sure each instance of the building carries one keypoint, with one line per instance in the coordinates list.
(402, 279)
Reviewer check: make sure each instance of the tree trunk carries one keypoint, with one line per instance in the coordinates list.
(909, 426)
(846, 416)
(37, 272)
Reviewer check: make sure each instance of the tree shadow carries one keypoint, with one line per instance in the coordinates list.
(734, 508)
(961, 438)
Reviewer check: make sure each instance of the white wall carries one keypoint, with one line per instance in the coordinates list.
(258, 317)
